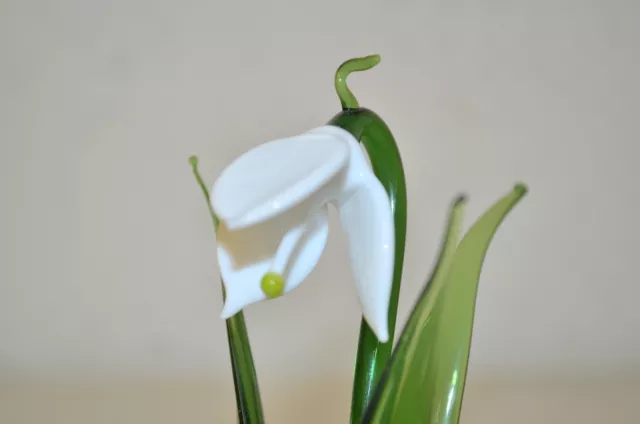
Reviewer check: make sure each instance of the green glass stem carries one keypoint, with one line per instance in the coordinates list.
(345, 95)
(384, 155)
(245, 382)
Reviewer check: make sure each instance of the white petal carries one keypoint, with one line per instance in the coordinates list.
(367, 219)
(276, 176)
(245, 255)
(309, 250)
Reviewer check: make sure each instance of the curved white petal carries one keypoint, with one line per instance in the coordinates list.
(245, 255)
(309, 250)
(366, 217)
(276, 176)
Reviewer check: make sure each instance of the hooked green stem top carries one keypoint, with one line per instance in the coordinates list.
(347, 98)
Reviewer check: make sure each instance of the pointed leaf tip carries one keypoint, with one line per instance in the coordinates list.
(461, 199)
(425, 379)
(521, 189)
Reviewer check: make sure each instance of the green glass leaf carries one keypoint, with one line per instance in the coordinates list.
(425, 378)
(244, 374)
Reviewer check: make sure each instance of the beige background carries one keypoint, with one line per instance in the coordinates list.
(109, 299)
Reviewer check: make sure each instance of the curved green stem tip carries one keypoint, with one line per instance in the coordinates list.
(193, 161)
(347, 98)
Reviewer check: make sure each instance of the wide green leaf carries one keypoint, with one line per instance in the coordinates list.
(245, 381)
(425, 378)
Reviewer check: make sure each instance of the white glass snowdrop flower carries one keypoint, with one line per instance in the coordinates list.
(272, 205)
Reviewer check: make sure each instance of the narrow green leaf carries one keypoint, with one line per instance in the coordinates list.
(244, 374)
(424, 381)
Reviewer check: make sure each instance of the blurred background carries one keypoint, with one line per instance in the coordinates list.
(109, 288)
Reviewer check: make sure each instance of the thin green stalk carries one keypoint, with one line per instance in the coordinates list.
(347, 98)
(245, 381)
(384, 155)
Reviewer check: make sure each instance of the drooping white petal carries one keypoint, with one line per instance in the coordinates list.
(246, 255)
(276, 176)
(367, 219)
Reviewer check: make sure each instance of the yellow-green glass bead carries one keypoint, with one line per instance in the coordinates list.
(272, 284)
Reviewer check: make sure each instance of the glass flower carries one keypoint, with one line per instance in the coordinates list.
(272, 206)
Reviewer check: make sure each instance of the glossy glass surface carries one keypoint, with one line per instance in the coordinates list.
(425, 379)
(375, 136)
(248, 402)
(422, 381)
